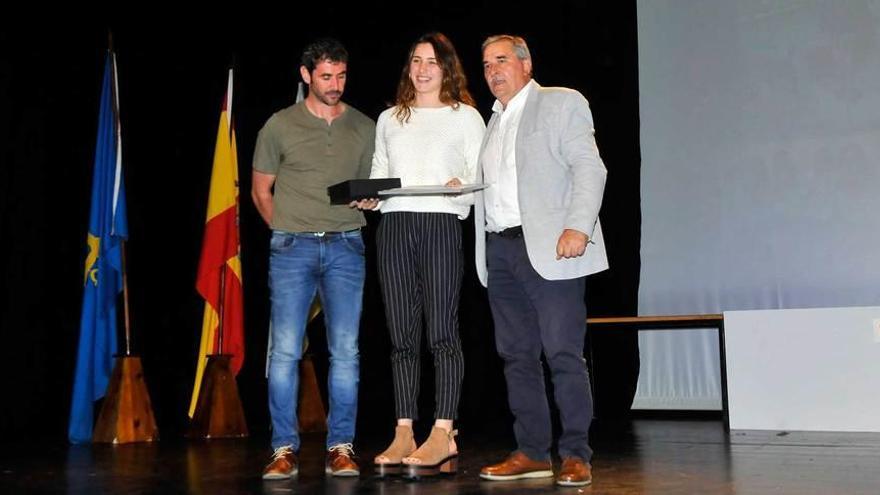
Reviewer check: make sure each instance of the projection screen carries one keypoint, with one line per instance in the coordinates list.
(760, 186)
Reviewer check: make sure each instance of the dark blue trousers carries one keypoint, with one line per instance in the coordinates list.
(533, 315)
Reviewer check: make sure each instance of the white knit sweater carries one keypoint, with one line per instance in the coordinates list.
(436, 145)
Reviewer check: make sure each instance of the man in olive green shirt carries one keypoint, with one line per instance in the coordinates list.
(316, 248)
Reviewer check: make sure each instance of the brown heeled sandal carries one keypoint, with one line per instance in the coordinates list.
(402, 446)
(434, 456)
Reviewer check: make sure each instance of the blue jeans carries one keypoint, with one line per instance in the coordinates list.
(301, 265)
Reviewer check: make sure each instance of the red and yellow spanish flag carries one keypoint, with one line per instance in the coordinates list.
(219, 276)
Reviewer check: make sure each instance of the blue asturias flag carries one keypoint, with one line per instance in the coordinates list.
(102, 279)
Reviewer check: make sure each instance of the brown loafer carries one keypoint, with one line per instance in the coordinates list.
(575, 472)
(517, 467)
(283, 464)
(340, 461)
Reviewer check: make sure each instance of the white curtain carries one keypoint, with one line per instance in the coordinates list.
(760, 188)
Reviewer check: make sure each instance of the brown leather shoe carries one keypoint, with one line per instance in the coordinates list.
(340, 461)
(283, 464)
(516, 467)
(575, 472)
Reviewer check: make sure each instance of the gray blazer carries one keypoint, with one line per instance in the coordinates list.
(560, 178)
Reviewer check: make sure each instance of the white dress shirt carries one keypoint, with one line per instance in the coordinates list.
(499, 164)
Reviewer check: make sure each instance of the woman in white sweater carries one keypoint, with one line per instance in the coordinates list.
(431, 136)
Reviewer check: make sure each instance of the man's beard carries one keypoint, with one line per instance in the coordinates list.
(330, 98)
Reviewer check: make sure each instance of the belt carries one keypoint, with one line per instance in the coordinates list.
(326, 234)
(510, 232)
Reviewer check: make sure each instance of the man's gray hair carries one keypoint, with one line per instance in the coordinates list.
(520, 48)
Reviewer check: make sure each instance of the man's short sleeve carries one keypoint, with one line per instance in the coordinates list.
(267, 154)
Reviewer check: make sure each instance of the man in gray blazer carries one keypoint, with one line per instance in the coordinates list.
(537, 238)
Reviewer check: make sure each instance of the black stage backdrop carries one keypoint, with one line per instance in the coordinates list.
(172, 79)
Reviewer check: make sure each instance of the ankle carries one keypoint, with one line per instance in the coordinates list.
(444, 424)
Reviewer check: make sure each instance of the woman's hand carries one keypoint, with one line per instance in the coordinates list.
(365, 204)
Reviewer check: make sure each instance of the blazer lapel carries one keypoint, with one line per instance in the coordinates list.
(528, 120)
(493, 121)
(528, 124)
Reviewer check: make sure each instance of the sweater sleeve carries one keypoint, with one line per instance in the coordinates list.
(474, 129)
(380, 152)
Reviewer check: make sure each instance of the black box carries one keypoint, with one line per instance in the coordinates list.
(355, 189)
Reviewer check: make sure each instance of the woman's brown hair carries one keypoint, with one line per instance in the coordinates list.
(453, 89)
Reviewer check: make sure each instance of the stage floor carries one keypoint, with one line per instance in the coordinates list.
(643, 456)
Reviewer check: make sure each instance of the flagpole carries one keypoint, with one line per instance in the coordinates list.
(220, 326)
(118, 131)
(125, 301)
(218, 412)
(126, 415)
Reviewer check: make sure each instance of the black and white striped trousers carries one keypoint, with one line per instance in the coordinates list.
(420, 265)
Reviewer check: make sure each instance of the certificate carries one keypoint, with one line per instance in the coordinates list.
(432, 190)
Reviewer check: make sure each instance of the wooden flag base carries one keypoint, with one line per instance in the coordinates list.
(312, 415)
(218, 411)
(126, 415)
